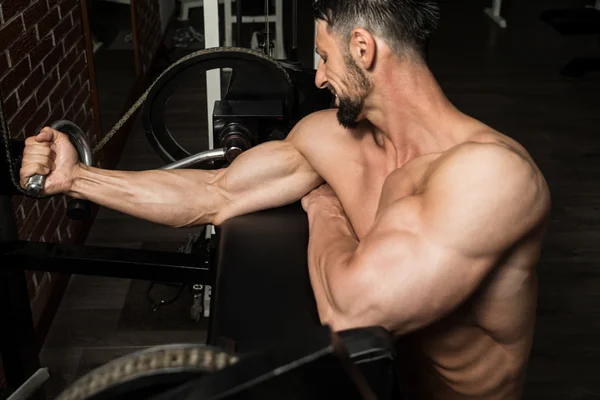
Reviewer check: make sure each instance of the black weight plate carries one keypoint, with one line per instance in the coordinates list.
(266, 73)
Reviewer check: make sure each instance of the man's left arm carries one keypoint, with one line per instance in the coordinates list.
(426, 253)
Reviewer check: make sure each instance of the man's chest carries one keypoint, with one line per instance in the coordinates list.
(360, 198)
(360, 182)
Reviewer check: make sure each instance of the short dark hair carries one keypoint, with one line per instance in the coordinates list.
(403, 24)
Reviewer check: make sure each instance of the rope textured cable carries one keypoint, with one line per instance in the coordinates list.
(169, 359)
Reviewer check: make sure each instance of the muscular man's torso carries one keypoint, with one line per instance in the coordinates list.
(481, 349)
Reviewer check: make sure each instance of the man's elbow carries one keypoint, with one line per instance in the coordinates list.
(219, 219)
(337, 322)
(330, 314)
(189, 222)
(197, 215)
(214, 209)
(340, 317)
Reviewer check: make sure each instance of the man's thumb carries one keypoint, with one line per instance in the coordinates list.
(46, 135)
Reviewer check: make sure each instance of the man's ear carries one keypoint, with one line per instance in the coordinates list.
(363, 48)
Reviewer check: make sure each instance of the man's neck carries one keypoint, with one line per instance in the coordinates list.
(410, 111)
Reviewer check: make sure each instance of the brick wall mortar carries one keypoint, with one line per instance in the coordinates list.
(148, 30)
(42, 57)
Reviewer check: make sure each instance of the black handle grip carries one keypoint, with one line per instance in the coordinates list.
(78, 209)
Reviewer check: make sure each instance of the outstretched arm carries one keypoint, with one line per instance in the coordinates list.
(425, 253)
(269, 175)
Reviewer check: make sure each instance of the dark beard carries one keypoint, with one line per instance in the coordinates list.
(350, 107)
(348, 111)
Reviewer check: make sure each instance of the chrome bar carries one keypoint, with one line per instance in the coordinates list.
(32, 385)
(205, 156)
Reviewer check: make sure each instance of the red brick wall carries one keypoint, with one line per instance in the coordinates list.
(43, 78)
(148, 32)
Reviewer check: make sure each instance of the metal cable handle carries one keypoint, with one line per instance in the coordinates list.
(36, 183)
(267, 29)
(294, 56)
(205, 156)
(238, 20)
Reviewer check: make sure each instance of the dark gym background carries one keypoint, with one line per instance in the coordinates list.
(508, 78)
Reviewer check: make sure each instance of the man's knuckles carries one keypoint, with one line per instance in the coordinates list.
(30, 141)
(39, 150)
(37, 159)
(48, 134)
(34, 169)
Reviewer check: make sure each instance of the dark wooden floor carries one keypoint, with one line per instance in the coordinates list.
(508, 79)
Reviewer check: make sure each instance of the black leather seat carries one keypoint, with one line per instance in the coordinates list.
(262, 291)
(262, 294)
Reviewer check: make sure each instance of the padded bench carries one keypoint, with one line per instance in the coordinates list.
(262, 295)
(262, 292)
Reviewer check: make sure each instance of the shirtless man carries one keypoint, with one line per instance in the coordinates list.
(430, 223)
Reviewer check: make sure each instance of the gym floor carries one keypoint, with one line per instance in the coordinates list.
(510, 80)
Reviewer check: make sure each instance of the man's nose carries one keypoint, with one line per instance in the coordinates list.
(321, 76)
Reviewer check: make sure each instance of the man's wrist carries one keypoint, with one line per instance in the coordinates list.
(330, 215)
(324, 210)
(78, 169)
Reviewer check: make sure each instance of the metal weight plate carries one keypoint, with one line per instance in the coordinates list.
(148, 372)
(267, 74)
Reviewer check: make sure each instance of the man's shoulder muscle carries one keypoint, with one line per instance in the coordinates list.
(494, 166)
(316, 129)
(490, 163)
(479, 182)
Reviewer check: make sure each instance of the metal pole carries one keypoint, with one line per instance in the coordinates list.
(317, 58)
(205, 156)
(238, 21)
(494, 13)
(33, 384)
(267, 29)
(294, 55)
(213, 77)
(279, 47)
(18, 347)
(496, 7)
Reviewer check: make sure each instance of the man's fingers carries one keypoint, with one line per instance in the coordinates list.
(39, 139)
(304, 203)
(44, 150)
(38, 155)
(29, 170)
(42, 160)
(46, 135)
